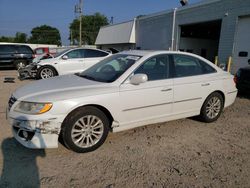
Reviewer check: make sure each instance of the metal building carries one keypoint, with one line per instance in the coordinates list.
(209, 28)
(119, 36)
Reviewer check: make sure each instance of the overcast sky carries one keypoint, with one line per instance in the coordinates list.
(23, 15)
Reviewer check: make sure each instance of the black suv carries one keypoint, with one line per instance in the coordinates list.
(13, 55)
(242, 80)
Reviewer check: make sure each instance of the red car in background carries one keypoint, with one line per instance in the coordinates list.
(48, 50)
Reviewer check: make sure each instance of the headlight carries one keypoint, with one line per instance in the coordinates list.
(32, 108)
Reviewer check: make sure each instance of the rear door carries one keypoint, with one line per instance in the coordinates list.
(7, 55)
(193, 82)
(92, 56)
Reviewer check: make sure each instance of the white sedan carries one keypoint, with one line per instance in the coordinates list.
(124, 91)
(69, 61)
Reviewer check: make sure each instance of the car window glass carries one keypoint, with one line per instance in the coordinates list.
(23, 49)
(190, 66)
(74, 54)
(7, 49)
(94, 53)
(156, 68)
(39, 51)
(111, 68)
(207, 69)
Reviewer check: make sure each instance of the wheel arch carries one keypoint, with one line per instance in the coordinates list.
(50, 66)
(216, 91)
(100, 107)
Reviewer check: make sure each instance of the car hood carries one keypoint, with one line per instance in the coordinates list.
(62, 88)
(47, 61)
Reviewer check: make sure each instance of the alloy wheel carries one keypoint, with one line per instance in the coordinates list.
(87, 131)
(46, 73)
(213, 107)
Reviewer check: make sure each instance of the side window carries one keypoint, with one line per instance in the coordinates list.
(75, 54)
(7, 49)
(190, 66)
(94, 53)
(156, 68)
(24, 50)
(39, 51)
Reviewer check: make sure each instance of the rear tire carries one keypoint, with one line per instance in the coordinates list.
(85, 129)
(212, 108)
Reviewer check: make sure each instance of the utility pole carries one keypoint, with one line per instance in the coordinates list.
(80, 27)
(79, 10)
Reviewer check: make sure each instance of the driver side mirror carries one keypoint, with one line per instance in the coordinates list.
(65, 57)
(138, 79)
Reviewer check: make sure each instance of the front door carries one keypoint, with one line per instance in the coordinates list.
(74, 62)
(149, 100)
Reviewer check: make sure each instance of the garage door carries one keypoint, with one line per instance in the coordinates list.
(242, 44)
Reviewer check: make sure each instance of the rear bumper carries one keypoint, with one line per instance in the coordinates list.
(230, 98)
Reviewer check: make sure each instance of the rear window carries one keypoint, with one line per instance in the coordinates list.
(88, 53)
(39, 51)
(7, 49)
(24, 49)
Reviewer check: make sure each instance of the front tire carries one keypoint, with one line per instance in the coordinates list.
(212, 108)
(85, 129)
(46, 72)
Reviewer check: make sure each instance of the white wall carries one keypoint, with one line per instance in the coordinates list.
(33, 46)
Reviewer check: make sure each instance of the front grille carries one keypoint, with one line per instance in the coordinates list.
(12, 100)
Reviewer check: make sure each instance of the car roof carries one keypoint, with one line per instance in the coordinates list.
(154, 52)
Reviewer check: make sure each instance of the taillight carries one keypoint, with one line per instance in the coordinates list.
(33, 56)
(235, 79)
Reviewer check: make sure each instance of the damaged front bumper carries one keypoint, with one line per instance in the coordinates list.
(30, 71)
(36, 134)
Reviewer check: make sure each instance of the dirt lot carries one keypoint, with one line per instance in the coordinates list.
(183, 153)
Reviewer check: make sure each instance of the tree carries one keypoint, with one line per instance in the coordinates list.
(90, 28)
(45, 34)
(6, 39)
(20, 37)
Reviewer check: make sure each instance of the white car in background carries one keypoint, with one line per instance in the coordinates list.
(69, 61)
(124, 91)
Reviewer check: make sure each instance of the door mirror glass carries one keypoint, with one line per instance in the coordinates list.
(65, 57)
(138, 79)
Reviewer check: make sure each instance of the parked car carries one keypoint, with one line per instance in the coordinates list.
(124, 91)
(67, 62)
(13, 55)
(242, 79)
(49, 50)
(30, 71)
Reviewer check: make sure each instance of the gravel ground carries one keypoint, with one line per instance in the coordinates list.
(183, 153)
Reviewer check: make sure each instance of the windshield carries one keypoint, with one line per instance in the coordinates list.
(111, 68)
(60, 53)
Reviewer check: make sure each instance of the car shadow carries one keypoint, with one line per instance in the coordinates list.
(19, 165)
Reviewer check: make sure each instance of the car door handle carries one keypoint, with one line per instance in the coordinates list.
(168, 89)
(206, 84)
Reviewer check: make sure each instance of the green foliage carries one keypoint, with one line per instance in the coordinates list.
(45, 34)
(20, 38)
(90, 28)
(6, 39)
